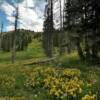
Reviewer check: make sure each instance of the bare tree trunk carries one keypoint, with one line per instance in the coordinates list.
(14, 37)
(61, 34)
(1, 36)
(14, 51)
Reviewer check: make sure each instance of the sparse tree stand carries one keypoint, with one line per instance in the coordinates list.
(14, 36)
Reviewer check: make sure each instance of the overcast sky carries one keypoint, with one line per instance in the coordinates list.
(30, 14)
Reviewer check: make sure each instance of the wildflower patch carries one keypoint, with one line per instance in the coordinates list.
(64, 84)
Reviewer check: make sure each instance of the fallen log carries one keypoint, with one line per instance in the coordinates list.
(40, 61)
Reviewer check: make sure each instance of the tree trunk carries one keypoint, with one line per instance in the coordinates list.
(14, 36)
(13, 52)
(94, 52)
(79, 49)
(1, 36)
(50, 45)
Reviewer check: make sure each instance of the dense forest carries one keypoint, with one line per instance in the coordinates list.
(80, 29)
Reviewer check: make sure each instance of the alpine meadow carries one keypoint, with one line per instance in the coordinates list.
(49, 49)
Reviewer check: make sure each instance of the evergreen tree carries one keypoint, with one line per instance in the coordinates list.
(82, 22)
(48, 30)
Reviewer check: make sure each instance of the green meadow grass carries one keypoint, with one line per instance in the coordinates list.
(19, 72)
(34, 50)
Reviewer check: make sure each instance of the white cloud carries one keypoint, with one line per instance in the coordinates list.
(7, 8)
(29, 16)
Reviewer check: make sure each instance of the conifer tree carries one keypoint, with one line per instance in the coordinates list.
(48, 30)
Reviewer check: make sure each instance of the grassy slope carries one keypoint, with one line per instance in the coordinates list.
(33, 52)
(17, 70)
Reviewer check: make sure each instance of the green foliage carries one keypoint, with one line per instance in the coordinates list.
(18, 75)
(82, 26)
(23, 38)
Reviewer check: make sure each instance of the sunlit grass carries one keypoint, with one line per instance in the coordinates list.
(34, 50)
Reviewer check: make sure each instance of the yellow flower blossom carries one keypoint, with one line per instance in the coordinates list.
(60, 83)
(88, 97)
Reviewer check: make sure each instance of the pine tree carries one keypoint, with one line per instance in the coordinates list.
(48, 31)
(82, 19)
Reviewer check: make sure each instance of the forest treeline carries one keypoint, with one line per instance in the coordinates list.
(23, 38)
(80, 31)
